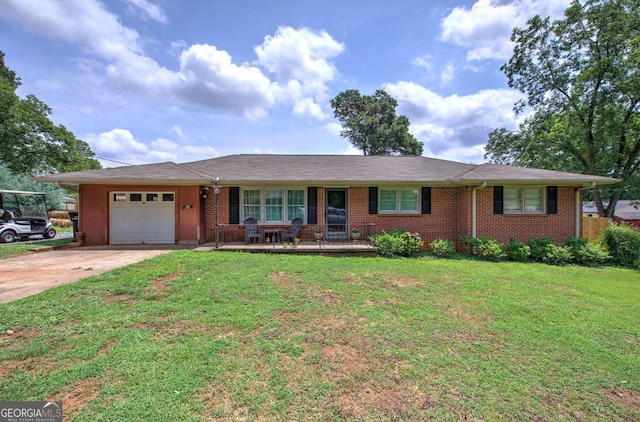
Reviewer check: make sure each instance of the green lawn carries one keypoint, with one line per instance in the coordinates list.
(20, 248)
(212, 335)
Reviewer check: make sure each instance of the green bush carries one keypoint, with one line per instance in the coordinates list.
(517, 251)
(485, 247)
(585, 253)
(491, 250)
(557, 255)
(396, 243)
(623, 244)
(443, 247)
(538, 247)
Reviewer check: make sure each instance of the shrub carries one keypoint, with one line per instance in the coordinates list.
(442, 247)
(585, 253)
(491, 250)
(557, 255)
(517, 251)
(623, 243)
(485, 247)
(538, 246)
(397, 243)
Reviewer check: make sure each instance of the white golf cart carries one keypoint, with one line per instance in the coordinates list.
(14, 224)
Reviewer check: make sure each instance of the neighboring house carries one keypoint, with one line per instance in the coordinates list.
(177, 203)
(627, 211)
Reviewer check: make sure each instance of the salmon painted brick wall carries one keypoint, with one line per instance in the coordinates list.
(94, 203)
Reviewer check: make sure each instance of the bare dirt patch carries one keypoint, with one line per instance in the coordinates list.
(393, 280)
(78, 395)
(343, 361)
(281, 278)
(624, 396)
(16, 338)
(397, 403)
(162, 283)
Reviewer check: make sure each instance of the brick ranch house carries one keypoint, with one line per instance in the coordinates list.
(183, 203)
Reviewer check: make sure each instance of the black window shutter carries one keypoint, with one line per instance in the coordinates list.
(312, 199)
(552, 199)
(426, 200)
(234, 205)
(373, 200)
(498, 195)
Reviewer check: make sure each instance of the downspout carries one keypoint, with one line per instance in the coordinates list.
(578, 207)
(474, 209)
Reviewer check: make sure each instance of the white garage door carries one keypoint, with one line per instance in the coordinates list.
(142, 217)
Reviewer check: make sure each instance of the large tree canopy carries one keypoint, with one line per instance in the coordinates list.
(581, 79)
(370, 123)
(30, 142)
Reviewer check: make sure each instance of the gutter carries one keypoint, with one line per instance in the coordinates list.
(474, 209)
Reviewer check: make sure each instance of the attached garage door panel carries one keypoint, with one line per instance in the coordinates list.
(142, 217)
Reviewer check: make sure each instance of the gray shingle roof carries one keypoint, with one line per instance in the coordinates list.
(336, 169)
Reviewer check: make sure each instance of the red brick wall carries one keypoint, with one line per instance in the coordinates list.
(450, 217)
(524, 227)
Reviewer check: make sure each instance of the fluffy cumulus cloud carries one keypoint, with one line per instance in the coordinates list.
(485, 29)
(119, 146)
(299, 60)
(210, 78)
(450, 125)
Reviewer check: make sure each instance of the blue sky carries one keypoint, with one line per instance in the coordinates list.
(146, 81)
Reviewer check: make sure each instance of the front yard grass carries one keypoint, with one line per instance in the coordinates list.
(214, 335)
(21, 248)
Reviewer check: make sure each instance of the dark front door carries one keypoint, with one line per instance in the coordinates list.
(336, 214)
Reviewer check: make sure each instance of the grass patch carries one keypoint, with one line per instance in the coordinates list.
(213, 335)
(19, 248)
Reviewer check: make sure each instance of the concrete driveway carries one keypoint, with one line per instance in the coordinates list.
(30, 274)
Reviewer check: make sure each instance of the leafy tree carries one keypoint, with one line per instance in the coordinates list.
(370, 123)
(11, 181)
(31, 142)
(581, 80)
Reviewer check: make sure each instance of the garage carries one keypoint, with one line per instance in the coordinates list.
(142, 218)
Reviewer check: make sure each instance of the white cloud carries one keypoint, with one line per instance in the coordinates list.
(148, 10)
(82, 21)
(178, 131)
(485, 29)
(209, 77)
(300, 59)
(333, 128)
(423, 61)
(119, 146)
(446, 77)
(449, 125)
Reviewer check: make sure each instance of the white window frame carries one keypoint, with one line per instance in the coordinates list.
(522, 208)
(398, 200)
(263, 204)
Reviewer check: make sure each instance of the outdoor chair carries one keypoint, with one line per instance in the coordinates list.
(251, 230)
(296, 226)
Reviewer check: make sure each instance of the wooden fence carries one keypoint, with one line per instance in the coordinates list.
(592, 227)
